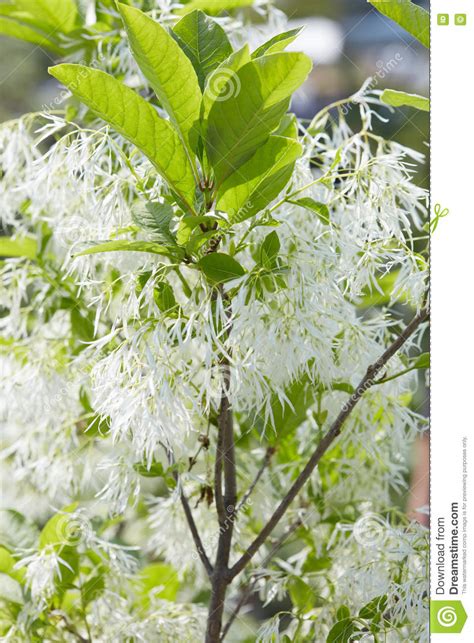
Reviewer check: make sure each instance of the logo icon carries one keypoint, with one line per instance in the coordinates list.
(443, 18)
(460, 19)
(447, 617)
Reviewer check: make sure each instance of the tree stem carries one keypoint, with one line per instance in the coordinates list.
(225, 472)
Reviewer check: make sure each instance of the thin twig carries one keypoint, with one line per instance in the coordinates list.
(246, 594)
(268, 457)
(189, 516)
(366, 383)
(195, 533)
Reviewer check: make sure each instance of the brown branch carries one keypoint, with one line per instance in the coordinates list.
(246, 594)
(195, 533)
(189, 515)
(225, 472)
(366, 383)
(268, 456)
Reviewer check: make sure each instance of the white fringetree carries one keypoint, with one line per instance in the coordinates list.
(212, 316)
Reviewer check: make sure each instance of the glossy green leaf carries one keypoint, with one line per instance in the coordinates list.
(250, 106)
(204, 42)
(408, 15)
(16, 531)
(318, 208)
(20, 247)
(135, 119)
(219, 267)
(278, 43)
(402, 99)
(167, 68)
(214, 6)
(158, 579)
(220, 77)
(128, 246)
(253, 186)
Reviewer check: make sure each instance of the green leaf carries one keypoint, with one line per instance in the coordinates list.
(98, 426)
(342, 631)
(320, 209)
(250, 106)
(68, 569)
(260, 180)
(135, 119)
(423, 361)
(219, 79)
(164, 297)
(10, 590)
(123, 245)
(343, 612)
(301, 594)
(204, 42)
(269, 250)
(288, 416)
(219, 267)
(408, 15)
(155, 217)
(7, 562)
(16, 531)
(14, 29)
(93, 588)
(188, 224)
(214, 6)
(7, 566)
(20, 247)
(167, 68)
(62, 15)
(402, 99)
(277, 43)
(288, 127)
(82, 326)
(61, 530)
(376, 606)
(382, 295)
(156, 470)
(158, 579)
(342, 386)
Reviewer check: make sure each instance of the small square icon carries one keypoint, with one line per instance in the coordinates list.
(460, 19)
(443, 18)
